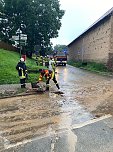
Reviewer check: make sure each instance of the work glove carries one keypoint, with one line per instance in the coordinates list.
(26, 75)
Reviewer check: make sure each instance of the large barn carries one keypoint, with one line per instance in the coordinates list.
(96, 43)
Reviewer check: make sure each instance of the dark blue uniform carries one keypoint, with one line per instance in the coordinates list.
(22, 71)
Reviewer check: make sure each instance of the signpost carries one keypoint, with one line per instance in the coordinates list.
(20, 39)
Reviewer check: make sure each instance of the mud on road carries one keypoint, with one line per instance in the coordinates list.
(26, 117)
(85, 97)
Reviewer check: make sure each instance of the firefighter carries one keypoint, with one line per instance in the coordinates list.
(47, 61)
(55, 59)
(48, 74)
(22, 72)
(52, 65)
(41, 60)
(38, 60)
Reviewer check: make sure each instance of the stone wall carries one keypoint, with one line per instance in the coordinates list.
(110, 58)
(75, 50)
(94, 45)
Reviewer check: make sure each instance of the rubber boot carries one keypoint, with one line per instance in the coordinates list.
(57, 86)
(23, 86)
(47, 88)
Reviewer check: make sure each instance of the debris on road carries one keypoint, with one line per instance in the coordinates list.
(58, 92)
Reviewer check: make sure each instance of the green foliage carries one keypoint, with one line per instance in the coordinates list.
(91, 66)
(39, 19)
(8, 72)
(97, 66)
(76, 64)
(59, 47)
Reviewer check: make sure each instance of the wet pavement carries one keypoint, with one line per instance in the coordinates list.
(94, 136)
(48, 122)
(97, 137)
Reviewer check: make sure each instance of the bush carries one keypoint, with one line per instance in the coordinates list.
(92, 66)
(97, 67)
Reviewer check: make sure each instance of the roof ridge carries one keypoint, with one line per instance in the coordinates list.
(97, 21)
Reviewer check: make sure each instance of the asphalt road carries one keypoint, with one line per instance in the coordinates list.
(92, 136)
(77, 129)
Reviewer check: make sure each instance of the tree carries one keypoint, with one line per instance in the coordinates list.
(41, 20)
(60, 48)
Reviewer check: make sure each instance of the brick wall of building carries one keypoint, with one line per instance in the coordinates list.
(94, 45)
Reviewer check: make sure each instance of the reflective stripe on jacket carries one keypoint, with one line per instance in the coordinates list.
(22, 69)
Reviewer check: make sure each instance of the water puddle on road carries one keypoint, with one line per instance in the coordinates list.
(71, 111)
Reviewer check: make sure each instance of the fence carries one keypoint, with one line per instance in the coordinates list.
(7, 46)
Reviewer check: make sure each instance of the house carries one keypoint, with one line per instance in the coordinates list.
(96, 43)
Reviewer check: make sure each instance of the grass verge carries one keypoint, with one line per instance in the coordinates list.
(8, 72)
(92, 66)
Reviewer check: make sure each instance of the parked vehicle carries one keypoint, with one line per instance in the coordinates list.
(61, 58)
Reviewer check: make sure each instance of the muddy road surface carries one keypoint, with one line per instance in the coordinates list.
(85, 96)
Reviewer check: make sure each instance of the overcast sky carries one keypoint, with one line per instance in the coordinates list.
(79, 15)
